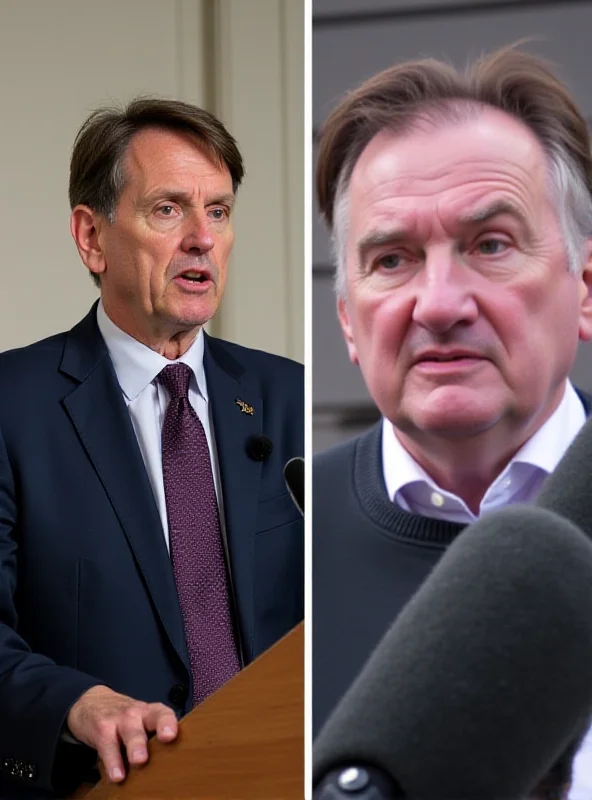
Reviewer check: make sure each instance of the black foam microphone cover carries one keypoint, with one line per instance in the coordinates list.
(567, 491)
(259, 447)
(484, 679)
(294, 478)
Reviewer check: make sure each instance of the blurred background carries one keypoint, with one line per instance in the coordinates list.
(353, 39)
(242, 60)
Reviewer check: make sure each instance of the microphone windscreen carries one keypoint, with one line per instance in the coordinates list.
(485, 677)
(294, 478)
(567, 490)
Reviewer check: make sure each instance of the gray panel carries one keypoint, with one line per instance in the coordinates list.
(581, 373)
(327, 432)
(344, 56)
(320, 241)
(336, 380)
(321, 246)
(338, 7)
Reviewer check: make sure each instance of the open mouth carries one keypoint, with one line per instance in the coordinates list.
(195, 277)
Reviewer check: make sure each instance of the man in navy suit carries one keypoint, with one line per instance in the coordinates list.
(97, 649)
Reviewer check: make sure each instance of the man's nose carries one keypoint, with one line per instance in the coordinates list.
(198, 236)
(445, 293)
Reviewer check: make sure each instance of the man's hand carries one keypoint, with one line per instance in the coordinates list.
(106, 720)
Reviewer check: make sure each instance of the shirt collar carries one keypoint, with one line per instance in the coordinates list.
(136, 365)
(546, 447)
(542, 451)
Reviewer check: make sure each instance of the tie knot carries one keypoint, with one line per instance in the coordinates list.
(175, 378)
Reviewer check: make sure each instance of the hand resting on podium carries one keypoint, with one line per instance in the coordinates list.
(106, 720)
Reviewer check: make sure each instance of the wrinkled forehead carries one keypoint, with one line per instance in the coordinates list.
(491, 149)
(163, 162)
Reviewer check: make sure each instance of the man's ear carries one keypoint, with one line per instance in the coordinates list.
(586, 295)
(85, 225)
(346, 327)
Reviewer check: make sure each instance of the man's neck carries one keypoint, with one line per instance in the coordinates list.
(171, 344)
(468, 466)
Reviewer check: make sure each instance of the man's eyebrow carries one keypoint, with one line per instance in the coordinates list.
(179, 196)
(378, 238)
(494, 209)
(222, 200)
(396, 234)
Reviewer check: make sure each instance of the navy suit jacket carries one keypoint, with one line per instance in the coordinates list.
(87, 592)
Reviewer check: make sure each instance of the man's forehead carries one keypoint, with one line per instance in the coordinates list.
(156, 152)
(431, 157)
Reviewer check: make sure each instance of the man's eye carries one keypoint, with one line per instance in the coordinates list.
(218, 213)
(166, 211)
(491, 247)
(390, 261)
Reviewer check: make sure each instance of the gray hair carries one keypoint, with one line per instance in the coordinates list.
(401, 97)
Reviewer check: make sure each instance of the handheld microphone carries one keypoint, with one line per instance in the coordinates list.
(294, 478)
(259, 447)
(484, 680)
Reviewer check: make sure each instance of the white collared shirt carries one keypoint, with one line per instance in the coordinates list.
(136, 367)
(414, 490)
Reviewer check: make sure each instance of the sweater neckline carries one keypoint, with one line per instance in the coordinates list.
(395, 521)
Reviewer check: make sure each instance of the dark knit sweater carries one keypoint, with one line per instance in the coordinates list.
(369, 556)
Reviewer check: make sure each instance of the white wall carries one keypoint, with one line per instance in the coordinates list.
(61, 59)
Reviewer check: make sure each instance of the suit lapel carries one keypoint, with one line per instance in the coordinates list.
(240, 475)
(99, 414)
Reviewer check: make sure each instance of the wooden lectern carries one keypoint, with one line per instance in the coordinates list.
(245, 742)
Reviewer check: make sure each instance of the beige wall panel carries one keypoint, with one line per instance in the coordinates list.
(294, 207)
(59, 60)
(259, 96)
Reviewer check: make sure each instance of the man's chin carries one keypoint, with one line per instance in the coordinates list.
(455, 428)
(455, 416)
(190, 317)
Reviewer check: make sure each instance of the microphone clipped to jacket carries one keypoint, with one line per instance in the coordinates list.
(259, 447)
(484, 679)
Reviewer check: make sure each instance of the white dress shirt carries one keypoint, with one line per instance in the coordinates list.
(414, 490)
(136, 367)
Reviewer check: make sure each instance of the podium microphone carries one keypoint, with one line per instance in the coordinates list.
(294, 478)
(482, 684)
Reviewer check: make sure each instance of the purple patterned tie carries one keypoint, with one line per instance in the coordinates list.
(195, 538)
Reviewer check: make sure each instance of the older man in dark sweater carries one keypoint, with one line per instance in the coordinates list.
(461, 211)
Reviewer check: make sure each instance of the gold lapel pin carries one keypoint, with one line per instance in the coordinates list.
(244, 407)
